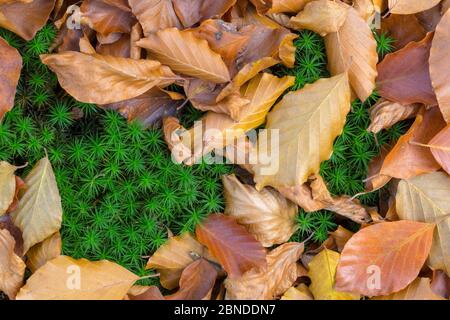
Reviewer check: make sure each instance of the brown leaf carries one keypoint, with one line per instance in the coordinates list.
(182, 51)
(103, 79)
(404, 76)
(350, 208)
(406, 159)
(172, 257)
(439, 62)
(196, 282)
(155, 15)
(341, 237)
(281, 273)
(25, 19)
(231, 244)
(440, 284)
(321, 16)
(266, 214)
(277, 6)
(145, 293)
(136, 35)
(440, 148)
(10, 67)
(7, 224)
(419, 289)
(384, 258)
(193, 11)
(386, 113)
(45, 251)
(410, 6)
(7, 186)
(12, 268)
(376, 180)
(403, 29)
(119, 48)
(353, 49)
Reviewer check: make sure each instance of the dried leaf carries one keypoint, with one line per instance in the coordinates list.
(425, 198)
(235, 249)
(7, 224)
(7, 185)
(39, 213)
(12, 268)
(155, 15)
(172, 257)
(376, 180)
(404, 76)
(419, 289)
(301, 292)
(187, 54)
(386, 113)
(341, 237)
(440, 284)
(440, 148)
(10, 67)
(193, 11)
(406, 159)
(65, 278)
(439, 62)
(103, 79)
(45, 251)
(353, 49)
(308, 121)
(321, 16)
(281, 273)
(278, 6)
(403, 28)
(322, 270)
(410, 6)
(145, 293)
(266, 214)
(384, 258)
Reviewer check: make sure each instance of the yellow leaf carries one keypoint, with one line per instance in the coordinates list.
(410, 6)
(266, 214)
(301, 292)
(186, 54)
(106, 79)
(419, 289)
(12, 268)
(65, 278)
(426, 199)
(39, 212)
(7, 185)
(44, 251)
(322, 272)
(308, 120)
(354, 49)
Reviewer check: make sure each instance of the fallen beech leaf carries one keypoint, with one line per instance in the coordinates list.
(425, 198)
(232, 105)
(155, 15)
(406, 159)
(403, 28)
(341, 237)
(410, 6)
(365, 8)
(39, 213)
(430, 18)
(404, 76)
(266, 214)
(65, 278)
(440, 284)
(103, 79)
(25, 19)
(136, 34)
(12, 268)
(182, 51)
(47, 250)
(440, 148)
(350, 208)
(419, 289)
(7, 185)
(353, 49)
(384, 258)
(145, 293)
(322, 270)
(308, 121)
(119, 48)
(20, 185)
(281, 273)
(278, 6)
(172, 257)
(196, 282)
(7, 224)
(439, 62)
(10, 67)
(235, 249)
(300, 292)
(193, 11)
(386, 113)
(287, 50)
(321, 16)
(376, 180)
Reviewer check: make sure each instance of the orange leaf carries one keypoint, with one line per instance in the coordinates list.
(440, 148)
(10, 66)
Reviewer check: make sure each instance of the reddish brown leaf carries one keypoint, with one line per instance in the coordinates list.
(145, 293)
(403, 29)
(6, 223)
(440, 148)
(119, 48)
(384, 258)
(404, 76)
(231, 245)
(193, 11)
(10, 66)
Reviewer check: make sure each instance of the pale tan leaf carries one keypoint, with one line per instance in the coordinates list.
(105, 79)
(353, 49)
(187, 54)
(266, 214)
(365, 8)
(410, 6)
(308, 120)
(419, 289)
(341, 236)
(426, 198)
(47, 250)
(7, 185)
(300, 292)
(386, 113)
(12, 267)
(10, 68)
(287, 50)
(39, 213)
(65, 278)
